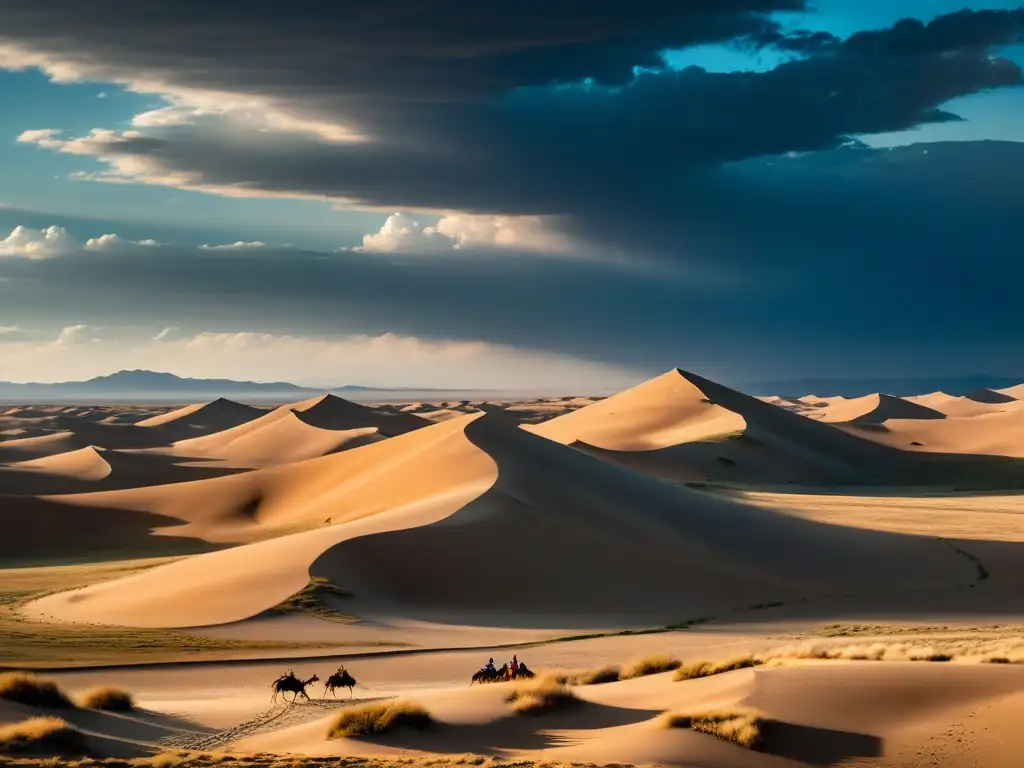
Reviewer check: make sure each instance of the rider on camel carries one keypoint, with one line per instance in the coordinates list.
(489, 666)
(514, 666)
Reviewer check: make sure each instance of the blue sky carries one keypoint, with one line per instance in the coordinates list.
(713, 191)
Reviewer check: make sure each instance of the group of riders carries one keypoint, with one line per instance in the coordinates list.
(290, 683)
(510, 670)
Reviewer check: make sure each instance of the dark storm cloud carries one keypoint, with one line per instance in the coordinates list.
(381, 50)
(566, 150)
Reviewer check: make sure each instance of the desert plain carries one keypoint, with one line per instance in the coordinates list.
(697, 577)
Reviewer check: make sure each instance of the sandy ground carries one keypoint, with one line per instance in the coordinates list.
(192, 555)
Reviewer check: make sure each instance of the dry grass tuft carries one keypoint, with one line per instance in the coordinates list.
(108, 698)
(372, 719)
(23, 688)
(609, 674)
(740, 726)
(41, 734)
(543, 695)
(707, 668)
(650, 665)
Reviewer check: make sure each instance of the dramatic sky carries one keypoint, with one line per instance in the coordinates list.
(512, 193)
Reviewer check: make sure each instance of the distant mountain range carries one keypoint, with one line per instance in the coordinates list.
(153, 385)
(830, 387)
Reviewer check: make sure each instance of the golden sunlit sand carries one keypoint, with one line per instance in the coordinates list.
(694, 576)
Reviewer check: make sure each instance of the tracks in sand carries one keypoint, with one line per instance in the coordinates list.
(278, 716)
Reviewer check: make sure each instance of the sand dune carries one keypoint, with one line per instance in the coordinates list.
(996, 433)
(768, 445)
(98, 469)
(961, 406)
(483, 493)
(408, 480)
(873, 409)
(664, 411)
(202, 418)
(84, 464)
(1016, 392)
(300, 431)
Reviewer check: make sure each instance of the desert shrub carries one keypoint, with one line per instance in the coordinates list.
(938, 657)
(650, 665)
(373, 719)
(707, 668)
(609, 674)
(997, 660)
(108, 698)
(41, 734)
(543, 695)
(739, 726)
(23, 688)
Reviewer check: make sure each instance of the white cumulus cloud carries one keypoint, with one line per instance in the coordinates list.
(401, 232)
(27, 243)
(48, 242)
(114, 242)
(405, 234)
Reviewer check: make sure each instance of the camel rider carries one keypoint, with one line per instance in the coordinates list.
(514, 666)
(489, 666)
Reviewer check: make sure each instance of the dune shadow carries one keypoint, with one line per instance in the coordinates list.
(817, 746)
(139, 725)
(515, 732)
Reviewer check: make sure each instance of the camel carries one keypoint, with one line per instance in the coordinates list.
(340, 679)
(291, 683)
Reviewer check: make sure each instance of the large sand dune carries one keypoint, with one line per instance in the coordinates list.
(777, 445)
(538, 530)
(765, 443)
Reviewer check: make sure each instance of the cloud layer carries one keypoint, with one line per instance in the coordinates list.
(728, 214)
